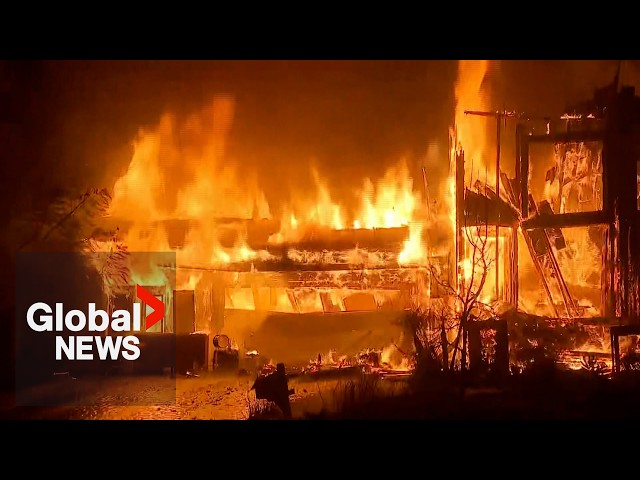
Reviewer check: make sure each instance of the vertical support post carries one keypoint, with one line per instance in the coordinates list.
(218, 298)
(445, 345)
(475, 348)
(516, 195)
(524, 174)
(607, 278)
(615, 350)
(459, 214)
(497, 263)
(620, 196)
(465, 343)
(516, 184)
(625, 266)
(502, 348)
(613, 353)
(514, 267)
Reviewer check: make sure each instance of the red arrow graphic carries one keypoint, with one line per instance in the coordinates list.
(158, 307)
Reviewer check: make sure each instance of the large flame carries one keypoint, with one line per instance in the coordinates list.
(471, 94)
(389, 203)
(470, 135)
(180, 172)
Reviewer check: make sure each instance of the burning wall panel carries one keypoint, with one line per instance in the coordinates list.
(478, 267)
(252, 298)
(297, 338)
(574, 182)
(581, 265)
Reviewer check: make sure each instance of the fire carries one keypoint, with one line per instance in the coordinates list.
(180, 172)
(393, 358)
(389, 203)
(451, 199)
(392, 203)
(470, 135)
(414, 250)
(580, 261)
(183, 193)
(190, 282)
(472, 267)
(310, 212)
(471, 132)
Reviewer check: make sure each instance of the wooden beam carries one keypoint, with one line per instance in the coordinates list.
(460, 204)
(480, 210)
(512, 268)
(393, 279)
(319, 239)
(258, 232)
(471, 220)
(515, 185)
(276, 267)
(566, 220)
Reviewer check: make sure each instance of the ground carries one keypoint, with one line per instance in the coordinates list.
(205, 397)
(552, 394)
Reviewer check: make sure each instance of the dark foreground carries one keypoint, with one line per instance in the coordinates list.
(555, 395)
(552, 395)
(207, 396)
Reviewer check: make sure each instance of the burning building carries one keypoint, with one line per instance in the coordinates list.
(564, 225)
(552, 233)
(322, 274)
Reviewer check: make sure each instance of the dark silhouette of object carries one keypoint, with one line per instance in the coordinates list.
(498, 361)
(225, 357)
(274, 387)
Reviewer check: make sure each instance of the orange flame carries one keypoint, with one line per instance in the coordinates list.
(471, 131)
(180, 172)
(470, 135)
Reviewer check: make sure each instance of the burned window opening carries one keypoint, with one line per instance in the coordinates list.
(574, 182)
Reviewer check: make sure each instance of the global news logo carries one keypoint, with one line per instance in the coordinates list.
(41, 317)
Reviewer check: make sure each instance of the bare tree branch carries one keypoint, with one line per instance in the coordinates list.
(102, 200)
(467, 291)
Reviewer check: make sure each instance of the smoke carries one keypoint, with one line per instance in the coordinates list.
(544, 87)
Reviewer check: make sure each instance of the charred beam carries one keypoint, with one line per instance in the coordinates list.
(511, 265)
(247, 268)
(328, 239)
(460, 202)
(278, 267)
(567, 220)
(397, 279)
(480, 210)
(516, 183)
(256, 233)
